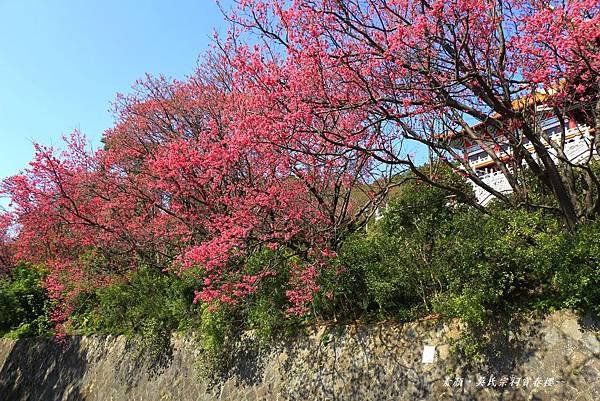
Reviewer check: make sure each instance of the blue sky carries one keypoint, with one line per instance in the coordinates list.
(62, 62)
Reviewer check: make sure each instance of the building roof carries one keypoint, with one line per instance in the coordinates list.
(518, 104)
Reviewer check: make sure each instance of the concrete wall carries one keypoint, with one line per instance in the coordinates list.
(554, 358)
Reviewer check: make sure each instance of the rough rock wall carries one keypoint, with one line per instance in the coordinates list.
(554, 358)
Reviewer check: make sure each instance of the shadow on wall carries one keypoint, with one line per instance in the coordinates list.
(43, 370)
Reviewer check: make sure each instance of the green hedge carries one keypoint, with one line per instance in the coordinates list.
(24, 303)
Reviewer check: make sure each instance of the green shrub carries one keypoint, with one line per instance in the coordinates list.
(578, 277)
(508, 256)
(24, 303)
(395, 268)
(148, 306)
(382, 275)
(427, 255)
(215, 335)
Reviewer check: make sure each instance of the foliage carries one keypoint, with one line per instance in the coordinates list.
(578, 276)
(428, 255)
(145, 301)
(397, 262)
(216, 334)
(24, 303)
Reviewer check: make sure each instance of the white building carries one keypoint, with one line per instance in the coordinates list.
(578, 140)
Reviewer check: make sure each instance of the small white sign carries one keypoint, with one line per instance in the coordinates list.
(428, 354)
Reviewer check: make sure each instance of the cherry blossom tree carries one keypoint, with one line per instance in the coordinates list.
(189, 177)
(289, 140)
(241, 181)
(428, 71)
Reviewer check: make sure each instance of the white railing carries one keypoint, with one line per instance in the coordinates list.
(496, 180)
(480, 160)
(576, 148)
(580, 130)
(577, 144)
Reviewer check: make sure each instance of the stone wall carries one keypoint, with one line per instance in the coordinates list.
(554, 358)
